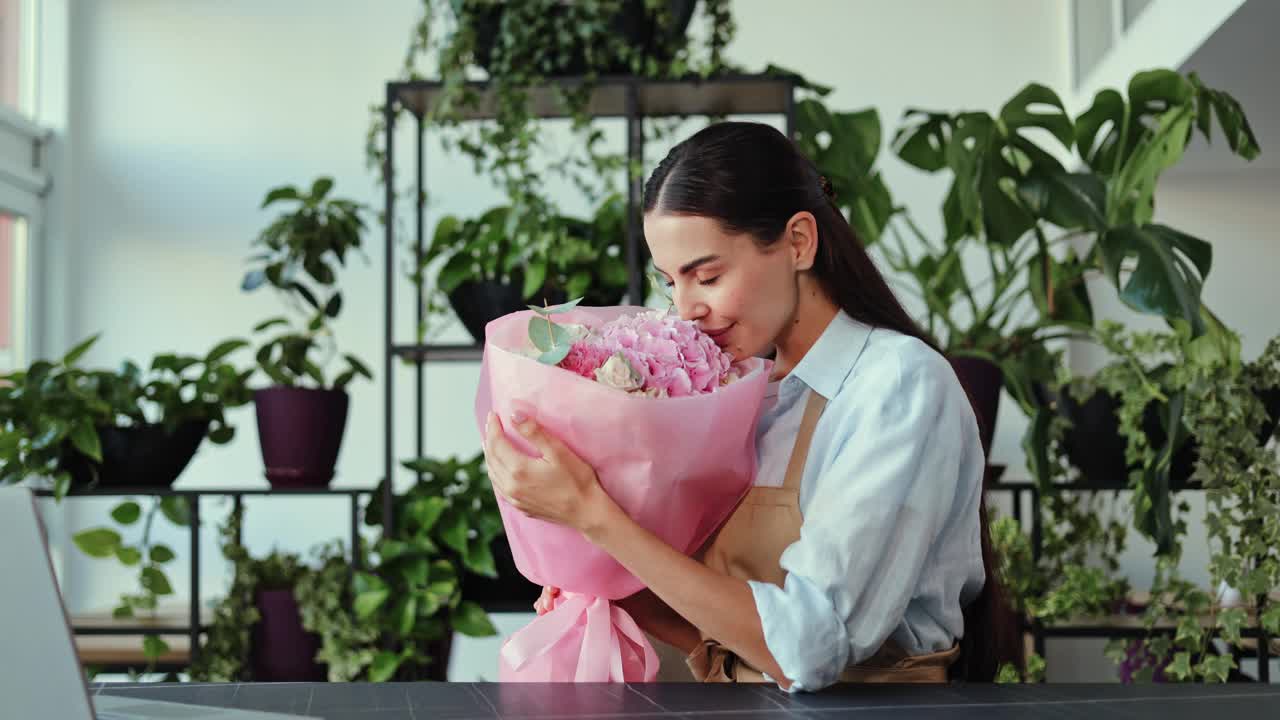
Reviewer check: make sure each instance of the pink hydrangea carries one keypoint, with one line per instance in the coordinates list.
(670, 356)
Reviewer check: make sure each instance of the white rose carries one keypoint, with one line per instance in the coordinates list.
(618, 373)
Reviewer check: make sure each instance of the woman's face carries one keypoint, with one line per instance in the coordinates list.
(741, 295)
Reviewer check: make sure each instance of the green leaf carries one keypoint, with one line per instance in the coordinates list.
(1071, 301)
(535, 276)
(176, 509)
(154, 648)
(367, 603)
(425, 512)
(320, 188)
(1107, 111)
(1270, 619)
(161, 553)
(360, 368)
(1231, 620)
(556, 309)
(455, 272)
(126, 513)
(287, 192)
(128, 555)
(1020, 112)
(1163, 282)
(154, 580)
(334, 306)
(85, 438)
(555, 355)
(306, 294)
(78, 351)
(267, 324)
(1035, 443)
(223, 349)
(384, 666)
(453, 531)
(479, 559)
(405, 614)
(98, 542)
(469, 619)
(61, 484)
(923, 139)
(1069, 200)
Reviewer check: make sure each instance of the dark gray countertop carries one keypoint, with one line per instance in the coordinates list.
(456, 701)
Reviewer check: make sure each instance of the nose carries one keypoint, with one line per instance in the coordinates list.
(689, 308)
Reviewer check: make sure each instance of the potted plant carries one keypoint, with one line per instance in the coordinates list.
(521, 46)
(129, 427)
(257, 633)
(1042, 226)
(302, 415)
(491, 266)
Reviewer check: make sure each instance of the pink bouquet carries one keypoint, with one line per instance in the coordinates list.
(666, 419)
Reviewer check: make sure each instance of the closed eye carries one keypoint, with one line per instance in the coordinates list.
(709, 281)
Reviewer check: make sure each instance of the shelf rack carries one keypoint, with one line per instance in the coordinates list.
(632, 99)
(1258, 644)
(185, 626)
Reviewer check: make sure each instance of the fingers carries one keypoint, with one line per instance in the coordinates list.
(544, 603)
(497, 449)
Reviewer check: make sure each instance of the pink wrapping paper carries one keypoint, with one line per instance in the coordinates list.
(677, 466)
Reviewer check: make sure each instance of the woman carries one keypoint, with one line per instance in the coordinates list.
(861, 553)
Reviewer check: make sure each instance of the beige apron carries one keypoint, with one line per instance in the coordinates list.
(750, 545)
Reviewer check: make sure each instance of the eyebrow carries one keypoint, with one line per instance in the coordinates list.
(692, 264)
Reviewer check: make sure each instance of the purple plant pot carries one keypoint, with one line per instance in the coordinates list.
(300, 431)
(983, 381)
(281, 650)
(1138, 658)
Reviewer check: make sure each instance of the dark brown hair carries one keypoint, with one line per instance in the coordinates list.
(752, 179)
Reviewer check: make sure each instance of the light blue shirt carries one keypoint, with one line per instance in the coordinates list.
(889, 546)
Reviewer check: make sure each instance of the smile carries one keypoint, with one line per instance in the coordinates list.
(717, 334)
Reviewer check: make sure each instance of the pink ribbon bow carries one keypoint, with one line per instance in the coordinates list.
(582, 639)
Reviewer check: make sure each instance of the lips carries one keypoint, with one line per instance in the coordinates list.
(719, 334)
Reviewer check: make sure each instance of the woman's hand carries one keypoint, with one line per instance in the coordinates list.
(558, 487)
(542, 605)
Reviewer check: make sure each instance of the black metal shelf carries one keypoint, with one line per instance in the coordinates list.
(629, 98)
(439, 353)
(680, 97)
(1127, 625)
(117, 491)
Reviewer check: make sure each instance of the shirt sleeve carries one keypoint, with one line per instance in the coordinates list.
(888, 486)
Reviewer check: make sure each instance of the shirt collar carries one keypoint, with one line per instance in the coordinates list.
(831, 359)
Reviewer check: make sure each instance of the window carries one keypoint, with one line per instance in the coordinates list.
(15, 66)
(13, 292)
(23, 178)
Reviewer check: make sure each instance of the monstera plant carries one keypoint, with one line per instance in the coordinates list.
(1044, 201)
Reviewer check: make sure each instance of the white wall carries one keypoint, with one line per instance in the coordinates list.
(181, 115)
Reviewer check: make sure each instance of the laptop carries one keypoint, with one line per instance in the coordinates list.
(40, 675)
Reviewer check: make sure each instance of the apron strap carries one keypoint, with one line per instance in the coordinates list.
(795, 466)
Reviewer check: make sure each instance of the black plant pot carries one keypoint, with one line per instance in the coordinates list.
(509, 592)
(1094, 445)
(631, 23)
(300, 432)
(281, 650)
(478, 302)
(143, 456)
